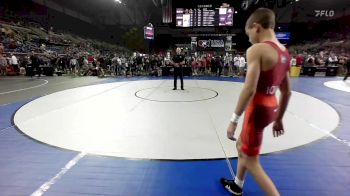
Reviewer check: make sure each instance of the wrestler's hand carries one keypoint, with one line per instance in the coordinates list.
(231, 129)
(277, 128)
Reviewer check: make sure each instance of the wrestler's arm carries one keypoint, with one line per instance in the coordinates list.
(284, 97)
(173, 63)
(182, 62)
(277, 127)
(252, 78)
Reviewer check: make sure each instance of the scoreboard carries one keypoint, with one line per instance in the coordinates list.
(204, 17)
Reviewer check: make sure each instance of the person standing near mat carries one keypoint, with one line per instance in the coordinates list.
(3, 61)
(347, 64)
(178, 61)
(268, 66)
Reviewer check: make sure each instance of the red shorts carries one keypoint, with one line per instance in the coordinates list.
(260, 113)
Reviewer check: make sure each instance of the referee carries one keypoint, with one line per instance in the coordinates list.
(178, 61)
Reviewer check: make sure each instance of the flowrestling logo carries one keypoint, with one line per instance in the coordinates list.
(324, 13)
(204, 43)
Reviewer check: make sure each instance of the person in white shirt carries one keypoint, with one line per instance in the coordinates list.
(14, 63)
(236, 64)
(73, 65)
(293, 61)
(14, 60)
(335, 58)
(332, 60)
(242, 63)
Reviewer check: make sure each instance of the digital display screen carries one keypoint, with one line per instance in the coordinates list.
(148, 32)
(283, 35)
(204, 17)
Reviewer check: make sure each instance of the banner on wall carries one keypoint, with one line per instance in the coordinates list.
(211, 43)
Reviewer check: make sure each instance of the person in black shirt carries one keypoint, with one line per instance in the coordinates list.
(139, 64)
(347, 63)
(178, 61)
(35, 65)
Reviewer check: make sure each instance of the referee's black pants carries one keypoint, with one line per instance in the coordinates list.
(178, 72)
(347, 74)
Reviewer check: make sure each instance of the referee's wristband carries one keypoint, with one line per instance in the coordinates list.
(235, 118)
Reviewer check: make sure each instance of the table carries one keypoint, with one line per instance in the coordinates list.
(325, 71)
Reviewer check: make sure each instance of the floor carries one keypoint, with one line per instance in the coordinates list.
(135, 136)
(339, 85)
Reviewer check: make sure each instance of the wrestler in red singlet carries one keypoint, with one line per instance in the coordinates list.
(267, 70)
(263, 108)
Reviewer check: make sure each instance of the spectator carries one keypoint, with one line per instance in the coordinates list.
(119, 66)
(236, 64)
(347, 69)
(73, 64)
(3, 61)
(310, 61)
(293, 61)
(319, 60)
(241, 65)
(332, 60)
(35, 64)
(300, 59)
(14, 63)
(115, 64)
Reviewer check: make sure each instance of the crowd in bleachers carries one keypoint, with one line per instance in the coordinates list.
(25, 42)
(27, 48)
(330, 50)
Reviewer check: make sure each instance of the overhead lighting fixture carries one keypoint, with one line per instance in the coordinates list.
(118, 1)
(245, 5)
